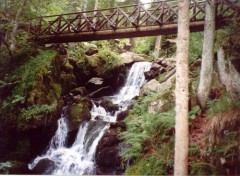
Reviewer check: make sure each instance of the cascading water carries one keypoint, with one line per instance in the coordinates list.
(80, 157)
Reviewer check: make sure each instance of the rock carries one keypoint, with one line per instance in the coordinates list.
(107, 150)
(78, 113)
(104, 91)
(79, 91)
(40, 168)
(154, 71)
(67, 68)
(121, 125)
(91, 48)
(108, 105)
(94, 84)
(130, 57)
(154, 85)
(158, 106)
(122, 115)
(68, 81)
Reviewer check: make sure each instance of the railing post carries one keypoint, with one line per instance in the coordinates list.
(40, 26)
(59, 24)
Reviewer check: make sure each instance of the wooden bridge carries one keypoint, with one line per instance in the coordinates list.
(155, 18)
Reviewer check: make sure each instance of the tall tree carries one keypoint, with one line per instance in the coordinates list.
(182, 92)
(205, 83)
(133, 40)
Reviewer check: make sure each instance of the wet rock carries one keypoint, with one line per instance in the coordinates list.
(94, 84)
(40, 168)
(108, 105)
(121, 124)
(122, 115)
(107, 155)
(78, 113)
(79, 91)
(104, 91)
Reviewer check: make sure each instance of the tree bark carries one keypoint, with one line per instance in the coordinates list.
(158, 44)
(182, 92)
(205, 83)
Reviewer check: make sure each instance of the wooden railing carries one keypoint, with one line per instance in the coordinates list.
(160, 13)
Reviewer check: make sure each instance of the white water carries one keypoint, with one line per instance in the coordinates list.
(80, 157)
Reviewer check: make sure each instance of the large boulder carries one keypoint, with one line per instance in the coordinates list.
(155, 85)
(130, 57)
(107, 154)
(94, 84)
(79, 112)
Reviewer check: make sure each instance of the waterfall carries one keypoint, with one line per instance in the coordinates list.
(79, 159)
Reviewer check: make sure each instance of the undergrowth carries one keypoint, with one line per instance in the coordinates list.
(150, 140)
(29, 89)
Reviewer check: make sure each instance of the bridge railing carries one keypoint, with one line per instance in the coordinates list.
(131, 16)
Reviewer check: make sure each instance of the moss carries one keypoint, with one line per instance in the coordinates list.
(68, 81)
(78, 113)
(35, 92)
(35, 116)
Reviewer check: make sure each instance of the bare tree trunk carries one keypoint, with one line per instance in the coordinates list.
(205, 83)
(15, 27)
(133, 40)
(133, 43)
(96, 5)
(158, 44)
(182, 92)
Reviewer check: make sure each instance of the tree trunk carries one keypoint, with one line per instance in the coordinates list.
(96, 5)
(15, 27)
(181, 92)
(133, 40)
(133, 43)
(205, 83)
(158, 44)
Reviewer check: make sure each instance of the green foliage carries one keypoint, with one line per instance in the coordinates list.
(195, 46)
(31, 90)
(196, 110)
(147, 133)
(201, 168)
(145, 45)
(4, 167)
(224, 103)
(108, 60)
(33, 111)
(152, 164)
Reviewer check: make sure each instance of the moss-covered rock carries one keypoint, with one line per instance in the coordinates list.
(78, 113)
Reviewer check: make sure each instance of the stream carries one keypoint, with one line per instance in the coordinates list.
(80, 157)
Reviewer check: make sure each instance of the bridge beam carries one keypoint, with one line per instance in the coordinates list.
(118, 33)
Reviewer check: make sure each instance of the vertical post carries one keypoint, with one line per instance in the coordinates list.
(40, 26)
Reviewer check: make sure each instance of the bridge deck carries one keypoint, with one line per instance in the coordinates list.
(156, 18)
